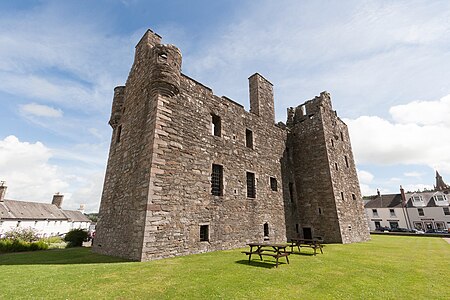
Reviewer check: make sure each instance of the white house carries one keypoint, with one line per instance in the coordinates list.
(45, 218)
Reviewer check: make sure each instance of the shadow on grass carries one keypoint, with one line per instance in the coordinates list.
(260, 264)
(69, 256)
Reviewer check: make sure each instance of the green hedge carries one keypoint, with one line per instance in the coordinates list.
(76, 237)
(8, 245)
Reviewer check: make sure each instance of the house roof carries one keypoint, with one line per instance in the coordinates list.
(427, 197)
(24, 210)
(75, 216)
(382, 201)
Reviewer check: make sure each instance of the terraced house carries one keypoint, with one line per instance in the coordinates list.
(189, 171)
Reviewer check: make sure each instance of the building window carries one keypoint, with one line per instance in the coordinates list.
(296, 228)
(440, 198)
(418, 225)
(375, 212)
(446, 211)
(204, 233)
(251, 188)
(35, 223)
(273, 184)
(118, 133)
(249, 138)
(291, 191)
(392, 212)
(18, 223)
(342, 196)
(266, 230)
(346, 160)
(332, 143)
(377, 224)
(440, 225)
(216, 125)
(319, 210)
(393, 224)
(336, 166)
(417, 198)
(342, 136)
(420, 211)
(217, 180)
(353, 197)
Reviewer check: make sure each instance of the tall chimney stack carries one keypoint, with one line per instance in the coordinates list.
(2, 191)
(57, 199)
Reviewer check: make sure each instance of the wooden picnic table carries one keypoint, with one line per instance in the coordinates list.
(268, 249)
(310, 243)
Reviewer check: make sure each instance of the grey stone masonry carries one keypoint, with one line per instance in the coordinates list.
(191, 172)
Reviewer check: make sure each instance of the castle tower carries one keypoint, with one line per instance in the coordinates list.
(440, 184)
(327, 196)
(128, 200)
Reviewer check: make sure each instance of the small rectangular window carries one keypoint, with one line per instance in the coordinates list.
(346, 160)
(336, 166)
(420, 211)
(375, 212)
(342, 195)
(273, 184)
(118, 133)
(332, 142)
(320, 211)
(446, 211)
(266, 230)
(204, 233)
(353, 197)
(251, 188)
(392, 212)
(291, 191)
(216, 125)
(217, 180)
(249, 138)
(342, 136)
(296, 228)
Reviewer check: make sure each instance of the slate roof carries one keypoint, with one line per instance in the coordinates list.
(382, 201)
(24, 210)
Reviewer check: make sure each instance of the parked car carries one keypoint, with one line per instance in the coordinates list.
(417, 231)
(398, 229)
(383, 229)
(439, 231)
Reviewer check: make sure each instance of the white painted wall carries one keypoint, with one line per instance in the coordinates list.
(43, 228)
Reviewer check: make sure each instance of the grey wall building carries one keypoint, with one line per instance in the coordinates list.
(190, 172)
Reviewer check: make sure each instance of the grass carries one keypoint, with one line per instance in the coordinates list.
(388, 267)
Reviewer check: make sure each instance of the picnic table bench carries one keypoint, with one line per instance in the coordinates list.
(310, 243)
(274, 250)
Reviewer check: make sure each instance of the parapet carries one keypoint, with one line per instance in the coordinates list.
(308, 109)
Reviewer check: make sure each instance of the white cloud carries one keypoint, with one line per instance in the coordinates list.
(379, 141)
(40, 110)
(30, 175)
(423, 112)
(365, 177)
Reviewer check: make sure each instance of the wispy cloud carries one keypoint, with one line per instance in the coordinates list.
(41, 110)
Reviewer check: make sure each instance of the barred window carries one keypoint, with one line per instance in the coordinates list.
(273, 184)
(217, 180)
(251, 188)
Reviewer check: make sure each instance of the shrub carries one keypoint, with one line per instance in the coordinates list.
(22, 234)
(9, 245)
(75, 237)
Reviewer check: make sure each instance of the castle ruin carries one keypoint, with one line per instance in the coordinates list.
(191, 172)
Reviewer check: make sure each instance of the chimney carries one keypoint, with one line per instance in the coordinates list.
(378, 193)
(261, 97)
(57, 200)
(402, 192)
(82, 207)
(2, 191)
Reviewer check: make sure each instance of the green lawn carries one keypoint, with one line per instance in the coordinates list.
(388, 267)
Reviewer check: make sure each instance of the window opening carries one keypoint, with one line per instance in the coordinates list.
(342, 136)
(346, 160)
(420, 211)
(216, 125)
(320, 211)
(204, 233)
(266, 230)
(392, 212)
(342, 195)
(273, 184)
(336, 166)
(217, 180)
(353, 197)
(119, 133)
(291, 191)
(446, 211)
(375, 212)
(251, 189)
(332, 143)
(249, 138)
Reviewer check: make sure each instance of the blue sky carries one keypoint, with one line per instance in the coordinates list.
(385, 63)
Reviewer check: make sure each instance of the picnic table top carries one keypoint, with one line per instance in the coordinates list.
(268, 245)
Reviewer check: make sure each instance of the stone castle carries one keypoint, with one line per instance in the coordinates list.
(190, 172)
